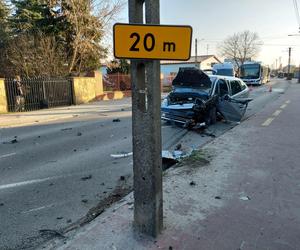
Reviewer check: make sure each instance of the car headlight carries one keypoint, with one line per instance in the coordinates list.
(164, 102)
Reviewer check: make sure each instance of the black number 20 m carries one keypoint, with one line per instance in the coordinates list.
(149, 39)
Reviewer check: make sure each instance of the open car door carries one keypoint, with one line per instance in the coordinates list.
(232, 109)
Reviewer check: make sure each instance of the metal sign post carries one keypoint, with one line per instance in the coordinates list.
(146, 130)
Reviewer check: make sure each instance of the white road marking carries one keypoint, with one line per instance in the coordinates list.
(283, 106)
(24, 183)
(37, 209)
(267, 122)
(7, 155)
(277, 112)
(288, 101)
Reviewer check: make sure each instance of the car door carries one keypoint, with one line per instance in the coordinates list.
(232, 104)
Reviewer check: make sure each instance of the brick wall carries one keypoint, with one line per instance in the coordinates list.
(86, 89)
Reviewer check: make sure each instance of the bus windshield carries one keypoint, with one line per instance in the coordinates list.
(225, 72)
(250, 71)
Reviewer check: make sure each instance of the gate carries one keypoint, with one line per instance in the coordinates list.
(39, 93)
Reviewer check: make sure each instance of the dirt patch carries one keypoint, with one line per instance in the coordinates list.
(198, 158)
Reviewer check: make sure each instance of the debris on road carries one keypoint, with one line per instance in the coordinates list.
(192, 183)
(1, 204)
(94, 212)
(178, 146)
(79, 134)
(116, 120)
(59, 218)
(168, 155)
(200, 125)
(170, 158)
(13, 141)
(84, 201)
(245, 198)
(66, 129)
(209, 134)
(85, 178)
(123, 155)
(51, 232)
(218, 198)
(122, 178)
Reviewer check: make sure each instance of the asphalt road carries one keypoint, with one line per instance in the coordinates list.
(53, 174)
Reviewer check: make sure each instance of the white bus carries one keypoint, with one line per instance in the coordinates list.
(254, 73)
(224, 69)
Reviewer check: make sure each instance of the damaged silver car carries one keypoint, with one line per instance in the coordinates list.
(198, 98)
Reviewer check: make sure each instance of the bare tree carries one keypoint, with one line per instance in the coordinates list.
(87, 26)
(241, 47)
(37, 55)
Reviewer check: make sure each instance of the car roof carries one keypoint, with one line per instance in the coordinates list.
(228, 78)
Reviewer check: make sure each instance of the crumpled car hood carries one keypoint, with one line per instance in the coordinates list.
(193, 78)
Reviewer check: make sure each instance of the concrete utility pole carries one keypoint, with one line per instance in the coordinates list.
(289, 64)
(146, 130)
(299, 74)
(196, 53)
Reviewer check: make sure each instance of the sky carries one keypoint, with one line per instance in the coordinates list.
(214, 20)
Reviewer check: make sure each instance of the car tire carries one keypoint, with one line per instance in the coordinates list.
(213, 115)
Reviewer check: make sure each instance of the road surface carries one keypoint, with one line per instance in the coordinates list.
(56, 175)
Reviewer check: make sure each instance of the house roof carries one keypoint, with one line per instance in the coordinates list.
(191, 60)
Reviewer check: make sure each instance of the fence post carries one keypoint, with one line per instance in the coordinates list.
(3, 97)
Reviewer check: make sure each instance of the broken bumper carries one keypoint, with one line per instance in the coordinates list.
(178, 113)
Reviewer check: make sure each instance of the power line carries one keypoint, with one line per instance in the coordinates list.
(297, 12)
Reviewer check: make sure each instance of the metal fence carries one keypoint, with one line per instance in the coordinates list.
(122, 82)
(39, 93)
